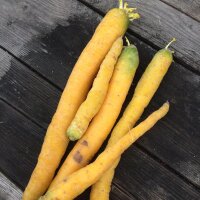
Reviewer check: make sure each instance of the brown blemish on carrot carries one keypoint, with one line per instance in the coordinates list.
(65, 180)
(78, 157)
(85, 143)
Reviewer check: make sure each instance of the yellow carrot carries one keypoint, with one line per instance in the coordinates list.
(103, 122)
(144, 91)
(113, 26)
(96, 96)
(76, 183)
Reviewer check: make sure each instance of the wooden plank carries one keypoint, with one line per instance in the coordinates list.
(20, 143)
(117, 193)
(8, 191)
(21, 140)
(159, 23)
(25, 90)
(48, 36)
(191, 8)
(146, 179)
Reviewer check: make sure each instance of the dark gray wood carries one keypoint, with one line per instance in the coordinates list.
(159, 23)
(20, 142)
(48, 36)
(8, 191)
(136, 169)
(29, 93)
(191, 8)
(117, 193)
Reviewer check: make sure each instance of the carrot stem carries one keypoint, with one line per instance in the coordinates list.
(127, 41)
(173, 40)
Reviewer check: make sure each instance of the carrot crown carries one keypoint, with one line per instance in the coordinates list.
(130, 11)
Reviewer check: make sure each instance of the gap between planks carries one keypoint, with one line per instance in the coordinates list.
(181, 10)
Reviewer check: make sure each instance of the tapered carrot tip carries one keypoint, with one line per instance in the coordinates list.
(73, 134)
(173, 40)
(165, 107)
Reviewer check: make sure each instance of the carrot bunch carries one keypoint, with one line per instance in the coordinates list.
(88, 109)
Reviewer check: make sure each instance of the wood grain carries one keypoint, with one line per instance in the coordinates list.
(191, 8)
(48, 36)
(8, 191)
(21, 140)
(29, 93)
(159, 23)
(137, 169)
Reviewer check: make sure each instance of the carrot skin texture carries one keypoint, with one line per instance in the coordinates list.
(113, 26)
(145, 89)
(89, 108)
(103, 122)
(80, 180)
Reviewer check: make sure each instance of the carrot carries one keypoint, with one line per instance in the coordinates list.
(103, 122)
(144, 91)
(113, 26)
(96, 96)
(76, 183)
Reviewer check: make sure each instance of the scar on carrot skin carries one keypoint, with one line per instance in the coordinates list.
(85, 143)
(65, 180)
(78, 157)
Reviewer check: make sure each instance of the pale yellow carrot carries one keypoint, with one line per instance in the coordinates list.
(76, 183)
(103, 122)
(144, 91)
(113, 26)
(96, 95)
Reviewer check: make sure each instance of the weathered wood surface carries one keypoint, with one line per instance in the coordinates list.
(49, 36)
(21, 140)
(29, 93)
(48, 51)
(191, 8)
(159, 23)
(8, 191)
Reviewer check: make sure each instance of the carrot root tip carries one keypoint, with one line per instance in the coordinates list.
(127, 41)
(173, 40)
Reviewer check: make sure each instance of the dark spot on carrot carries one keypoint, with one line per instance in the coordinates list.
(85, 143)
(65, 180)
(78, 157)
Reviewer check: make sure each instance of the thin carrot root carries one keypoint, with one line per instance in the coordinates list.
(130, 11)
(127, 41)
(167, 46)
